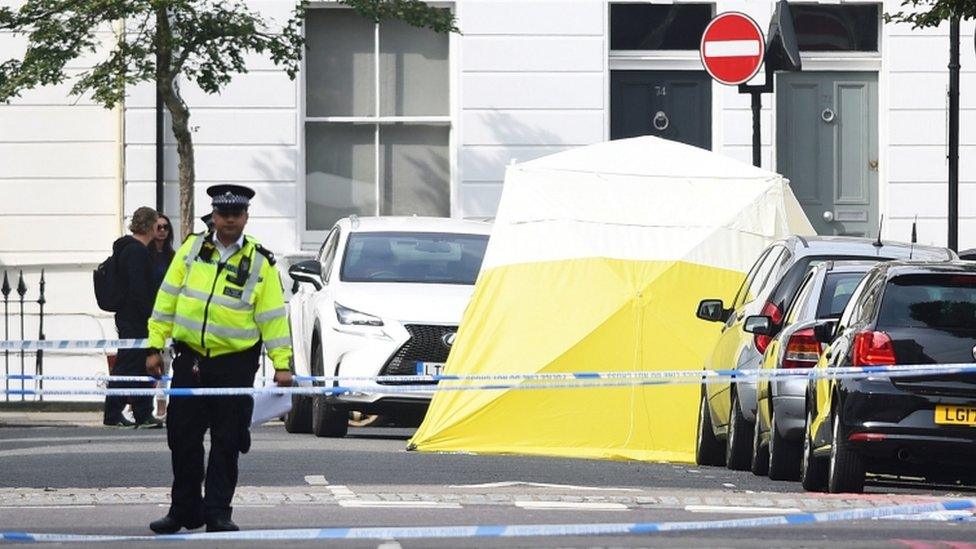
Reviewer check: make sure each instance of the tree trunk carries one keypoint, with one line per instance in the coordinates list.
(184, 148)
(179, 115)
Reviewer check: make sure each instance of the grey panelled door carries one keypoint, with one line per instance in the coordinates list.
(827, 145)
(674, 105)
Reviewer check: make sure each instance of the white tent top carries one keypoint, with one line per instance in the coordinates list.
(649, 157)
(641, 199)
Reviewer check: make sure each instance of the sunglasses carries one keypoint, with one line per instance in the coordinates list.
(162, 227)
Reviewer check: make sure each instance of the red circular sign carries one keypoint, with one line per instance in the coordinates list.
(732, 48)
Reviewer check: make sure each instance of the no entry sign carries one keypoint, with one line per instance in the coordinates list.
(732, 48)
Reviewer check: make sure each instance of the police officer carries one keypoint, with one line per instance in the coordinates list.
(221, 299)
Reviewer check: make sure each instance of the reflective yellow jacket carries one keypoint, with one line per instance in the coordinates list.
(219, 309)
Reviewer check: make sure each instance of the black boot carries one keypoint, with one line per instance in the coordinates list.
(221, 524)
(170, 525)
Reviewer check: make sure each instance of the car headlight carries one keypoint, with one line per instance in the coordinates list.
(352, 317)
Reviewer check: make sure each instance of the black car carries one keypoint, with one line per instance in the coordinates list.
(902, 313)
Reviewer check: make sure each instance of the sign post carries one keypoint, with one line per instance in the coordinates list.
(733, 49)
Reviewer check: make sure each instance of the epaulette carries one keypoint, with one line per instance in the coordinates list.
(265, 252)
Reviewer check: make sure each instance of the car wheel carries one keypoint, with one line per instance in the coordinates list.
(738, 450)
(846, 472)
(813, 470)
(784, 455)
(708, 448)
(327, 421)
(299, 419)
(760, 453)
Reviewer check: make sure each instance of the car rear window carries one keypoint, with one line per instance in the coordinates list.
(837, 291)
(942, 301)
(434, 258)
(785, 291)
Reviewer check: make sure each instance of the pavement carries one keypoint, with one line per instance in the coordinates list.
(65, 473)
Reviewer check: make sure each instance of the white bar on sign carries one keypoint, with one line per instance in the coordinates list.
(732, 48)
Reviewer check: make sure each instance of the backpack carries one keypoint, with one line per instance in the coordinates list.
(110, 284)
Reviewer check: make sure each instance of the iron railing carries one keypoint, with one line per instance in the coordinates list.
(21, 300)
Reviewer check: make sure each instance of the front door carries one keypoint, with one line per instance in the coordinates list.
(827, 146)
(675, 105)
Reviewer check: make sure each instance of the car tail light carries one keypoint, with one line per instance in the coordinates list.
(867, 437)
(873, 349)
(775, 316)
(802, 350)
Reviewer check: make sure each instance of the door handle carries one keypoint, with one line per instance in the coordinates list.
(828, 216)
(660, 121)
(828, 115)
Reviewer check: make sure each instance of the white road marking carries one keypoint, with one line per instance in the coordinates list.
(740, 509)
(509, 484)
(48, 506)
(571, 505)
(316, 480)
(732, 48)
(341, 492)
(359, 503)
(389, 545)
(728, 485)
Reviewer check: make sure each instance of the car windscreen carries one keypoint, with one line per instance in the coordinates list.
(837, 291)
(941, 301)
(432, 258)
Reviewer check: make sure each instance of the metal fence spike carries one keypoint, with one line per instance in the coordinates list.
(5, 289)
(21, 285)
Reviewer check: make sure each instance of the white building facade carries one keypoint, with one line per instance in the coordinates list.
(387, 119)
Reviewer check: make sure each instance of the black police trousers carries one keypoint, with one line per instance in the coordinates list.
(227, 417)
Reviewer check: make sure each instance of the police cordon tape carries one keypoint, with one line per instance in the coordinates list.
(526, 381)
(60, 344)
(514, 530)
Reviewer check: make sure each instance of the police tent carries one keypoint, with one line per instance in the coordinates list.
(597, 261)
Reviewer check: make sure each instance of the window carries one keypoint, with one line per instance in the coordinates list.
(658, 27)
(327, 254)
(837, 291)
(847, 27)
(377, 122)
(742, 295)
(416, 258)
(802, 295)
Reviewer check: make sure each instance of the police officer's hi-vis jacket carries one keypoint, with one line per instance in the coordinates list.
(218, 309)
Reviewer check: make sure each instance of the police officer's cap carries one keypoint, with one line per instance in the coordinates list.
(229, 198)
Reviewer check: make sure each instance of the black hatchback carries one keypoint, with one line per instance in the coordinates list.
(902, 313)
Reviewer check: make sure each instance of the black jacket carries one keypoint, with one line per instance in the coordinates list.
(136, 268)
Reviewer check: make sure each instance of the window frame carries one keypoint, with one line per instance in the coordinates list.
(311, 239)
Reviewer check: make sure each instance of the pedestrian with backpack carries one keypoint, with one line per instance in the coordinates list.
(125, 284)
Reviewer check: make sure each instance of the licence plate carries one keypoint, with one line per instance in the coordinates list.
(430, 368)
(955, 415)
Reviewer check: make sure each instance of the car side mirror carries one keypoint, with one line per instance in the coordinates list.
(758, 325)
(712, 310)
(309, 271)
(825, 331)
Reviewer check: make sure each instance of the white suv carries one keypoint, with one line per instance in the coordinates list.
(384, 296)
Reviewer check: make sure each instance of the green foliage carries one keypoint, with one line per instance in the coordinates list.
(203, 41)
(931, 13)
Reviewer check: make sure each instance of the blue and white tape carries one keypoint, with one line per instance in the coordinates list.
(63, 344)
(463, 384)
(656, 376)
(511, 530)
